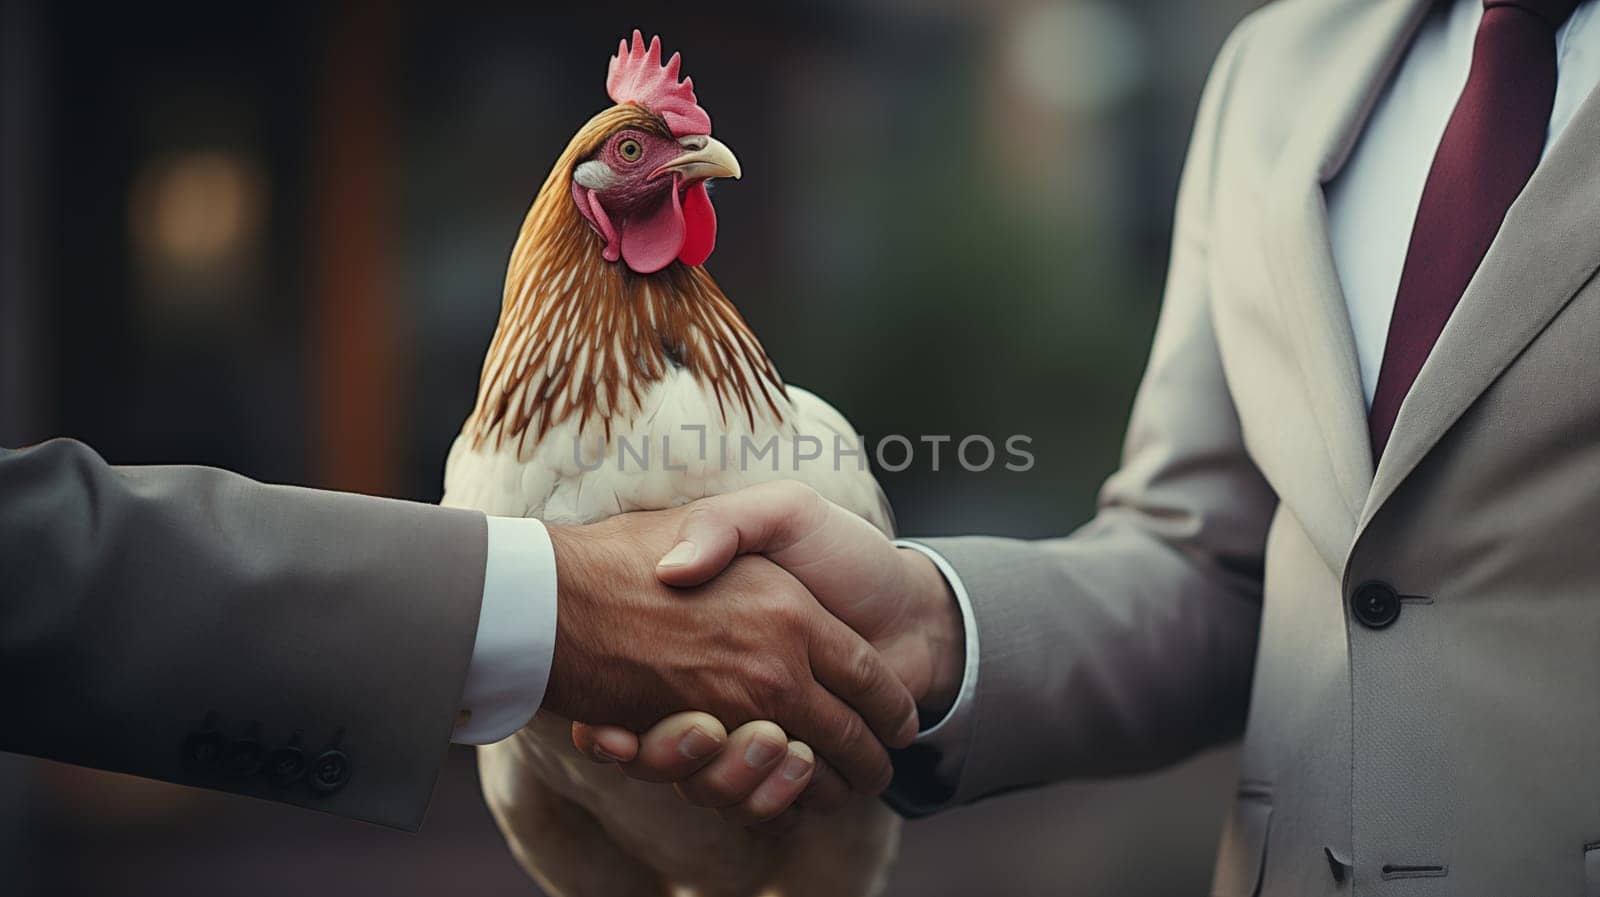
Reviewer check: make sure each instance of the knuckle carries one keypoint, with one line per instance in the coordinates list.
(772, 684)
(700, 513)
(793, 492)
(864, 668)
(788, 604)
(774, 603)
(791, 614)
(852, 730)
(808, 507)
(786, 688)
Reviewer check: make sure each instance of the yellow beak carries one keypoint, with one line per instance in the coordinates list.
(706, 158)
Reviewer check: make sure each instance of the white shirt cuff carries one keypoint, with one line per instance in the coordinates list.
(511, 658)
(950, 731)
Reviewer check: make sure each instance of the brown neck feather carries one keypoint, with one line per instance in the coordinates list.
(580, 337)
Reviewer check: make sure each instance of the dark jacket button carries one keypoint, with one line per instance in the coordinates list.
(330, 771)
(285, 766)
(243, 758)
(1375, 604)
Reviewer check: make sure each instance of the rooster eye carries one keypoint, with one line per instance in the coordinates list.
(630, 150)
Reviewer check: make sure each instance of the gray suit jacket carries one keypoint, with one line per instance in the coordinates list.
(191, 625)
(1452, 752)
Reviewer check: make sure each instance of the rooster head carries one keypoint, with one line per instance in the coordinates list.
(641, 167)
(581, 334)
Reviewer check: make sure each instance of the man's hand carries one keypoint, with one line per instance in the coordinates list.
(894, 597)
(750, 777)
(753, 645)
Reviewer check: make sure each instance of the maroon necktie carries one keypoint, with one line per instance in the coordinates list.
(1487, 154)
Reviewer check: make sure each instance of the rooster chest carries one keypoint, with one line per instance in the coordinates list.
(661, 452)
(673, 446)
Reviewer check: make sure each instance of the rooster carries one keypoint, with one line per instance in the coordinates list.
(621, 378)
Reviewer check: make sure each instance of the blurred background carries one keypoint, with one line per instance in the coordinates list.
(272, 238)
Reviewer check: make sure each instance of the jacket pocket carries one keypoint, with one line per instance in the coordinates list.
(1243, 855)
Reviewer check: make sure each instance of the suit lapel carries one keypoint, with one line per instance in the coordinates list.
(1300, 258)
(1547, 248)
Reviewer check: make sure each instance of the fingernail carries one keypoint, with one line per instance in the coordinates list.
(605, 756)
(696, 744)
(796, 767)
(681, 554)
(761, 753)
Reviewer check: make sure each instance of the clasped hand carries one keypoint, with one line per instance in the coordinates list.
(770, 611)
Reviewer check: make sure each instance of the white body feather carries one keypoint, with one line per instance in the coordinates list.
(580, 828)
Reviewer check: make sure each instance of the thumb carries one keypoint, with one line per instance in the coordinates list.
(768, 518)
(841, 559)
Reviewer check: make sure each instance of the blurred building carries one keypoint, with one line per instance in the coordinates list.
(272, 239)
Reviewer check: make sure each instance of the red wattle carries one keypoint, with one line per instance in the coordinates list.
(651, 237)
(700, 226)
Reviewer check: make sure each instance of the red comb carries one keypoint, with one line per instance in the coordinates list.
(637, 76)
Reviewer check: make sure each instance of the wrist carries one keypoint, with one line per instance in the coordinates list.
(573, 572)
(935, 618)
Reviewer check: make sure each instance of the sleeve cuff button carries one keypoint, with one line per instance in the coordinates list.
(330, 772)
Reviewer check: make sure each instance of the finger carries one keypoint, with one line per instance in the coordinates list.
(845, 664)
(768, 517)
(828, 790)
(840, 736)
(778, 791)
(677, 747)
(605, 744)
(753, 751)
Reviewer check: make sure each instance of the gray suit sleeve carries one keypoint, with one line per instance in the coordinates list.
(1129, 644)
(195, 626)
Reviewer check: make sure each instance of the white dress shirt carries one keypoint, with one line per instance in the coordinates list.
(1374, 199)
(1371, 205)
(510, 664)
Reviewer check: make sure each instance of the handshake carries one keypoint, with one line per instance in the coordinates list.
(770, 612)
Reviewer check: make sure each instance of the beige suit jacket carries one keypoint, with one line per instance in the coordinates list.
(1452, 753)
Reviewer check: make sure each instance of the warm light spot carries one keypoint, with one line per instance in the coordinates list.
(195, 220)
